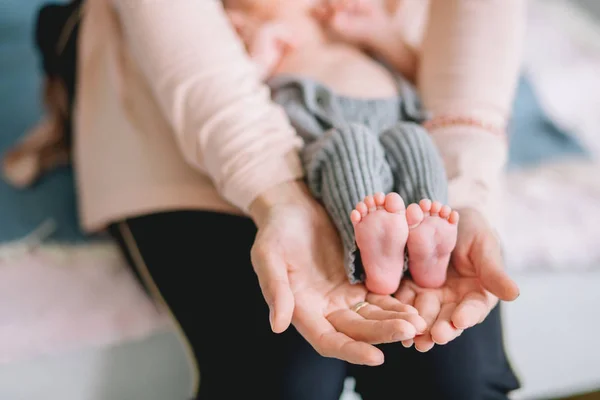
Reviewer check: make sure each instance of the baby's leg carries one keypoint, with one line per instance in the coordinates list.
(346, 167)
(420, 178)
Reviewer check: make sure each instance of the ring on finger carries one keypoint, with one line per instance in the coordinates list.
(359, 305)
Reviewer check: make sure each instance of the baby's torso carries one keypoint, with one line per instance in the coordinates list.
(323, 83)
(342, 67)
(314, 107)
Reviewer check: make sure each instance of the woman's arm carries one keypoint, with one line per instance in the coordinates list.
(210, 92)
(467, 76)
(226, 125)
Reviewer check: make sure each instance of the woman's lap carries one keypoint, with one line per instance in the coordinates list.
(472, 367)
(225, 318)
(221, 309)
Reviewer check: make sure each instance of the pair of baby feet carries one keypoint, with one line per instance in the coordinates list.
(384, 227)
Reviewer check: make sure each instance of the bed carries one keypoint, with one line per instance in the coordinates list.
(551, 329)
(74, 321)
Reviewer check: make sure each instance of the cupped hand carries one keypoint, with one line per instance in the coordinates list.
(476, 280)
(297, 256)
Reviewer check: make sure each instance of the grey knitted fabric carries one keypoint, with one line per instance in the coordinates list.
(358, 147)
(342, 167)
(314, 109)
(415, 162)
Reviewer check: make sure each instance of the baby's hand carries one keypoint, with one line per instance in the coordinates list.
(270, 44)
(266, 41)
(245, 25)
(360, 22)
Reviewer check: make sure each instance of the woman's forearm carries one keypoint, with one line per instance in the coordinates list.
(210, 92)
(292, 193)
(467, 76)
(471, 56)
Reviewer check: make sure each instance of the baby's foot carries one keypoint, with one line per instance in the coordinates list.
(381, 231)
(432, 237)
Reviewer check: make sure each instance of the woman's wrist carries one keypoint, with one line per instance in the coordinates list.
(290, 193)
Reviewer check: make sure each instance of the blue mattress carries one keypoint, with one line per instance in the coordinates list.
(534, 138)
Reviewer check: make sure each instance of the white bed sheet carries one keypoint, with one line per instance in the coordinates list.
(552, 332)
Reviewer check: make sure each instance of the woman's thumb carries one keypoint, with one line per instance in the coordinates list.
(492, 274)
(273, 279)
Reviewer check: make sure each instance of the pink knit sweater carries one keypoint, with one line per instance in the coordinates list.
(171, 114)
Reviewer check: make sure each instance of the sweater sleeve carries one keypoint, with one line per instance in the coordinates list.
(220, 112)
(469, 71)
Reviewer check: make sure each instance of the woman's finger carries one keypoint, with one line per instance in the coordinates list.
(359, 328)
(443, 331)
(377, 314)
(390, 303)
(488, 259)
(273, 279)
(472, 310)
(406, 294)
(428, 304)
(329, 342)
(424, 343)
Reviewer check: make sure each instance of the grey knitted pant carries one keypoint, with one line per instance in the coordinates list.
(358, 147)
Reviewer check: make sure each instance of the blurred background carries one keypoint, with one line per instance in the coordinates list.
(74, 325)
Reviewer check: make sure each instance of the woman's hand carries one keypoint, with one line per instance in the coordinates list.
(297, 257)
(476, 279)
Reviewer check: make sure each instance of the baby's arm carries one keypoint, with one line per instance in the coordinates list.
(371, 25)
(388, 44)
(265, 41)
(395, 52)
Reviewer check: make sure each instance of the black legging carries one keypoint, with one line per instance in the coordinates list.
(199, 264)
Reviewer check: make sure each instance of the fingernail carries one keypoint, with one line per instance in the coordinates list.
(456, 326)
(271, 317)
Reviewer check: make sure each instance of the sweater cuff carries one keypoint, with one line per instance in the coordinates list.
(475, 161)
(244, 187)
